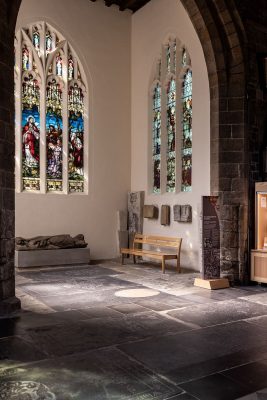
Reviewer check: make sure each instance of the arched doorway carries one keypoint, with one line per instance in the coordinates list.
(219, 29)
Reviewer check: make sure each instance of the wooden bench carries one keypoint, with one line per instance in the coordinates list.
(157, 242)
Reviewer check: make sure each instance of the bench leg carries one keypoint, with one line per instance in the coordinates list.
(134, 259)
(163, 265)
(178, 266)
(122, 258)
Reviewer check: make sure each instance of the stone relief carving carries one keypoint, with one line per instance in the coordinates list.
(182, 213)
(50, 242)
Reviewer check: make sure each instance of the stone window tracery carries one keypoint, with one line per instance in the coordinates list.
(51, 122)
(172, 120)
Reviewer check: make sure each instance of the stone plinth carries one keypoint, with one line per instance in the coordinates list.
(42, 258)
(10, 305)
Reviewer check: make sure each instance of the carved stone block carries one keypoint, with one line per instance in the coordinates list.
(135, 211)
(165, 215)
(182, 213)
(186, 213)
(177, 212)
(150, 211)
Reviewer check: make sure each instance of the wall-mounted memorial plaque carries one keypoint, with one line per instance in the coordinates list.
(150, 211)
(210, 237)
(165, 215)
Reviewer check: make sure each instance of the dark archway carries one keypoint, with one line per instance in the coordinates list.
(223, 39)
(222, 36)
(8, 17)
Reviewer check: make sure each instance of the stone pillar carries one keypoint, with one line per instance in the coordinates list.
(8, 15)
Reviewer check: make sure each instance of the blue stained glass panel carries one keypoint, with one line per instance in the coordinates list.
(171, 133)
(36, 40)
(156, 138)
(48, 42)
(30, 133)
(54, 127)
(187, 132)
(76, 138)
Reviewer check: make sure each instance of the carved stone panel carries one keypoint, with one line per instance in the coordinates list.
(135, 211)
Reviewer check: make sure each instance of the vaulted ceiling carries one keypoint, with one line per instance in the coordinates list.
(132, 5)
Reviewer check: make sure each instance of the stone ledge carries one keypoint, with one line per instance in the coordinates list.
(42, 258)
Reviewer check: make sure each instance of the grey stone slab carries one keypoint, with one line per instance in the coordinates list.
(259, 395)
(183, 396)
(220, 313)
(197, 298)
(253, 375)
(215, 387)
(130, 308)
(85, 299)
(15, 351)
(69, 338)
(38, 258)
(262, 321)
(183, 356)
(153, 305)
(75, 286)
(63, 275)
(259, 298)
(101, 375)
(100, 312)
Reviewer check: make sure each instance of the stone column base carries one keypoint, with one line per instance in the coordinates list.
(10, 305)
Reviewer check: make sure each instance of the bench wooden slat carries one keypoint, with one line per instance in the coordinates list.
(158, 242)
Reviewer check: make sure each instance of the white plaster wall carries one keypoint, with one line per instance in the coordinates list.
(101, 38)
(151, 26)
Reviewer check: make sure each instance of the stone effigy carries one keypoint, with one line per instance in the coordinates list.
(50, 242)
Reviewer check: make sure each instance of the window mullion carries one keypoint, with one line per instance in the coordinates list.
(18, 124)
(65, 120)
(43, 135)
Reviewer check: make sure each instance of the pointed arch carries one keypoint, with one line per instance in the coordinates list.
(53, 162)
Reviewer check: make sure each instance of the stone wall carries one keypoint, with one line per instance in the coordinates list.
(255, 44)
(221, 33)
(8, 13)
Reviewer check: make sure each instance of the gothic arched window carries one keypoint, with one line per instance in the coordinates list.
(172, 120)
(51, 99)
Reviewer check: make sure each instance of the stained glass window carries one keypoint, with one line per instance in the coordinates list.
(54, 128)
(70, 68)
(48, 42)
(30, 133)
(174, 55)
(168, 58)
(156, 138)
(171, 131)
(25, 58)
(53, 131)
(76, 141)
(172, 140)
(184, 57)
(187, 132)
(36, 40)
(58, 65)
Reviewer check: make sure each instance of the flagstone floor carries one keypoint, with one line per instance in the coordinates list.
(115, 332)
